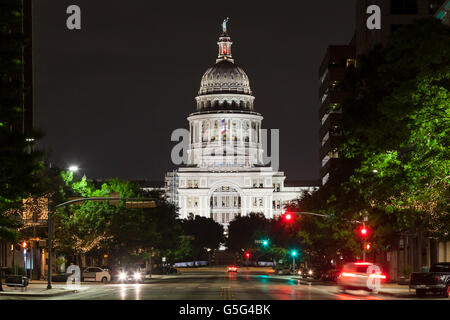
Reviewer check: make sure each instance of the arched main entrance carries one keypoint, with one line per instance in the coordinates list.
(225, 204)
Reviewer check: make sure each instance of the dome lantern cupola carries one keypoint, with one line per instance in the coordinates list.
(224, 44)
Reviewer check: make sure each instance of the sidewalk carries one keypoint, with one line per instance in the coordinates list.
(38, 288)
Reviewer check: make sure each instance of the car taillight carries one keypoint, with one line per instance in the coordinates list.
(437, 279)
(346, 274)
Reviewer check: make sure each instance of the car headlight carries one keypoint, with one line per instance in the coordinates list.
(310, 272)
(137, 275)
(122, 276)
(299, 272)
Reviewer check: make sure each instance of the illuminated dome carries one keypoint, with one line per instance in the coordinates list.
(225, 86)
(225, 77)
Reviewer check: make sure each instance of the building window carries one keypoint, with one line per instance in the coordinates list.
(322, 79)
(325, 139)
(335, 130)
(335, 108)
(196, 201)
(261, 203)
(325, 179)
(334, 153)
(350, 63)
(404, 7)
(325, 160)
(325, 117)
(276, 187)
(189, 202)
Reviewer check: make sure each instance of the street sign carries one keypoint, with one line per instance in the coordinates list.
(140, 204)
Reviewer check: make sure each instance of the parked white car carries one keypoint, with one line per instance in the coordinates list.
(96, 274)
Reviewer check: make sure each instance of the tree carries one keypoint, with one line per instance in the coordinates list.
(206, 233)
(126, 234)
(244, 230)
(397, 122)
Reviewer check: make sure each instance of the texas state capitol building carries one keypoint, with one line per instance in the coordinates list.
(225, 175)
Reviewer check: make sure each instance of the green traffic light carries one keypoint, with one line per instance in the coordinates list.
(265, 242)
(293, 253)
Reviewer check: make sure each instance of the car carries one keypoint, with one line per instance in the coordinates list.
(361, 276)
(114, 271)
(331, 275)
(96, 274)
(307, 273)
(131, 276)
(437, 280)
(232, 269)
(283, 270)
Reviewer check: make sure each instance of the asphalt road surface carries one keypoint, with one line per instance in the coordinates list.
(221, 286)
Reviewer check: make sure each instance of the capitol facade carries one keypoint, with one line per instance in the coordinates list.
(225, 175)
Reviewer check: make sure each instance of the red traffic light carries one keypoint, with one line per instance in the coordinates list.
(363, 231)
(247, 255)
(288, 217)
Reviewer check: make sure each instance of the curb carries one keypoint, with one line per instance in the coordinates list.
(31, 294)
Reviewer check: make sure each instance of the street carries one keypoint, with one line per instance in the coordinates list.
(222, 286)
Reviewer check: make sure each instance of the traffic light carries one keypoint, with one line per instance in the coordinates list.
(368, 246)
(364, 231)
(247, 255)
(24, 244)
(294, 253)
(265, 243)
(288, 217)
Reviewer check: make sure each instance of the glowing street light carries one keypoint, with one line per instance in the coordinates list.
(73, 168)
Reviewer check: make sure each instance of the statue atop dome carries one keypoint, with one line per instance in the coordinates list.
(224, 25)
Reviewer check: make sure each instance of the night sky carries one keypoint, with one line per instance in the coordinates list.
(109, 96)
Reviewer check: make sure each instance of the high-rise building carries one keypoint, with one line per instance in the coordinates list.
(332, 71)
